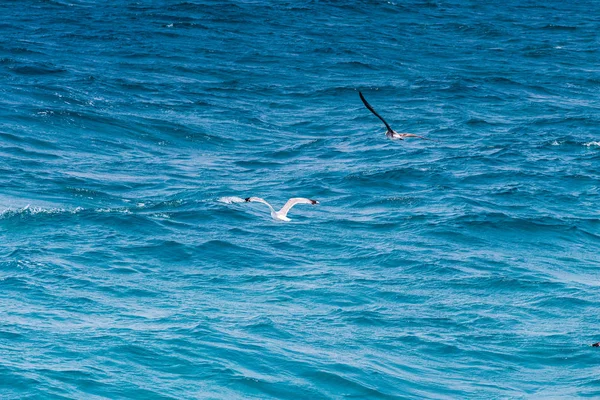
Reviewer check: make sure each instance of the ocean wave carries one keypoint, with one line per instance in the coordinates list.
(554, 27)
(28, 210)
(150, 208)
(37, 69)
(231, 199)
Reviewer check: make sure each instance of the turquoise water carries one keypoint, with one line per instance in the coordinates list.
(465, 267)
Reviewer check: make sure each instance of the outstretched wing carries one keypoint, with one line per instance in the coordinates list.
(293, 201)
(413, 135)
(374, 112)
(259, 200)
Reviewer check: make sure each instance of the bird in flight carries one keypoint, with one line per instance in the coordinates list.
(392, 134)
(282, 214)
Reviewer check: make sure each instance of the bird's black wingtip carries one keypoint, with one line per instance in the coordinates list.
(362, 98)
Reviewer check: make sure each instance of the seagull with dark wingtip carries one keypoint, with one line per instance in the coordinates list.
(392, 134)
(282, 214)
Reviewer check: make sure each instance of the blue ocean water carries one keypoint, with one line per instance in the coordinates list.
(465, 267)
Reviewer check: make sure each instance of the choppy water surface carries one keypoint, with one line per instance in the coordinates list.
(461, 268)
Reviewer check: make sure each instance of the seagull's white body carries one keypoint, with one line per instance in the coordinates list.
(281, 215)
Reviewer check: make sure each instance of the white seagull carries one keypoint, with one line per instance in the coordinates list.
(392, 134)
(282, 214)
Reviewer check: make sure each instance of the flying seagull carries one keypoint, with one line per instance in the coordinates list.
(392, 134)
(282, 214)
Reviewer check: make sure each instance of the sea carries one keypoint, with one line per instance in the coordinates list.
(462, 267)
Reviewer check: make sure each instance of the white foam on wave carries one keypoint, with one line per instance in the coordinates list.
(231, 199)
(138, 207)
(590, 144)
(122, 210)
(28, 210)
